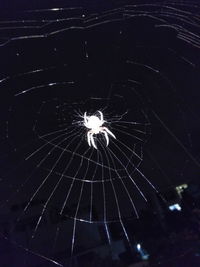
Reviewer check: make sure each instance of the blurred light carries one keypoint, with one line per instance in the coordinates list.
(175, 207)
(145, 257)
(143, 253)
(180, 189)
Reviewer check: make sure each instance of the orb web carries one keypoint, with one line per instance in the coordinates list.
(66, 61)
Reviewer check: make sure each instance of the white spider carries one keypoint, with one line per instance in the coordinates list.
(94, 123)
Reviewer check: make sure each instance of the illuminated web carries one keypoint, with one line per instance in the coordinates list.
(66, 61)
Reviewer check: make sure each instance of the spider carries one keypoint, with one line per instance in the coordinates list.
(94, 123)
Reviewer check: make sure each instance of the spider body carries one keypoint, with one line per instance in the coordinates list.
(95, 126)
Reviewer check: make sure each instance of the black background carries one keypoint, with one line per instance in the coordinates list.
(98, 59)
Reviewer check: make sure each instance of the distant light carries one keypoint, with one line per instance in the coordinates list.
(145, 257)
(180, 189)
(175, 207)
(143, 253)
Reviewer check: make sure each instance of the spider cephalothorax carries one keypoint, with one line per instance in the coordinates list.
(95, 124)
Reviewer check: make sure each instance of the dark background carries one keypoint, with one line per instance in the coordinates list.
(121, 56)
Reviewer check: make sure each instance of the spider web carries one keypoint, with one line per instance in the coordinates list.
(66, 61)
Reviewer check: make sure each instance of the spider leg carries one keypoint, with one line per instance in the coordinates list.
(92, 141)
(108, 131)
(89, 138)
(106, 136)
(85, 117)
(101, 116)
